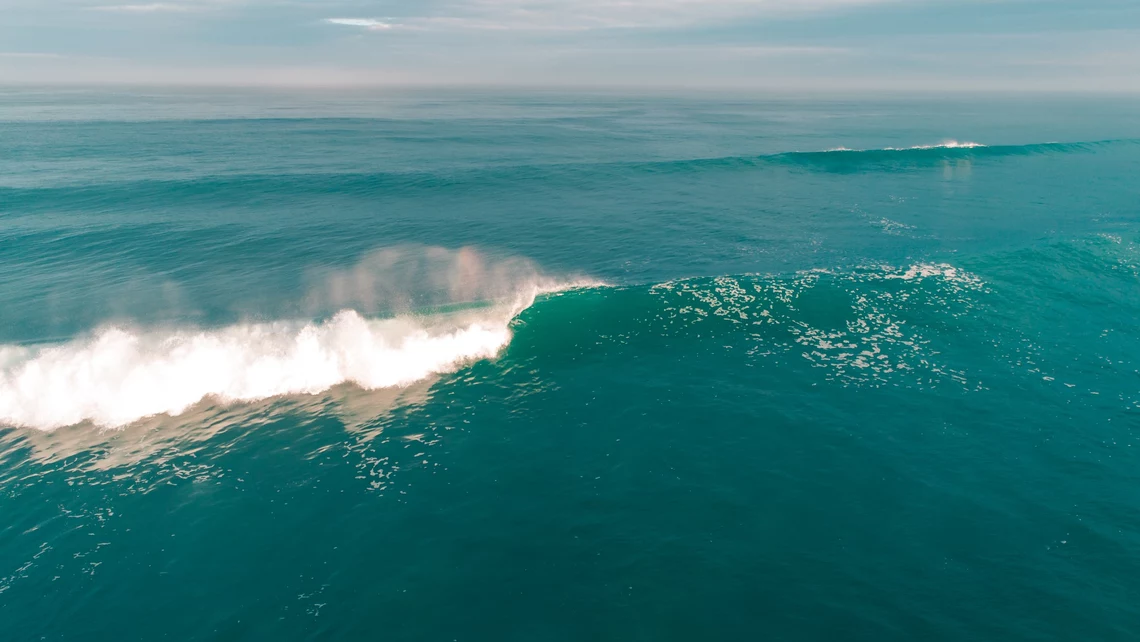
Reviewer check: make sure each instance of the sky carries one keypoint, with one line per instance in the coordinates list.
(809, 45)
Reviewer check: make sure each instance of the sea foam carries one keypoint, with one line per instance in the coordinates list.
(946, 144)
(119, 375)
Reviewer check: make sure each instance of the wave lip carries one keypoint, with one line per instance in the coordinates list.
(843, 160)
(948, 144)
(118, 376)
(948, 147)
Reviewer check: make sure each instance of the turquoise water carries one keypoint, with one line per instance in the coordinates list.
(544, 367)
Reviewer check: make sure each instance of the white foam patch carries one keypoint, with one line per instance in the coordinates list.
(119, 375)
(875, 342)
(927, 270)
(948, 144)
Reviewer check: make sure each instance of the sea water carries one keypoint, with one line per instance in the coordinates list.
(494, 366)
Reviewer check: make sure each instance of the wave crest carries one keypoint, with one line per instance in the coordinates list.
(118, 376)
(405, 314)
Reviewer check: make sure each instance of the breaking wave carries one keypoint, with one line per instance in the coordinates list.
(945, 149)
(120, 374)
(949, 144)
(843, 159)
(872, 325)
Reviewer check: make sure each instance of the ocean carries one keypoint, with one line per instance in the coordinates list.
(491, 365)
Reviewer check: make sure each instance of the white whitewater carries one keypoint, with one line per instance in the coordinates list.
(119, 374)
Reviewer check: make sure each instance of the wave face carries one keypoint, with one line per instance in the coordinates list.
(872, 326)
(963, 328)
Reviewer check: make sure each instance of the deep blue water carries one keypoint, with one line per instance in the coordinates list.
(486, 366)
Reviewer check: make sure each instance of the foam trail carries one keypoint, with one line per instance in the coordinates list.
(118, 375)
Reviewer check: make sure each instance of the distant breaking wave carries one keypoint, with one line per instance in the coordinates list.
(950, 144)
(842, 159)
(240, 188)
(947, 149)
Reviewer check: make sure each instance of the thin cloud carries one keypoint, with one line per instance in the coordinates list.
(143, 8)
(366, 23)
(782, 50)
(582, 15)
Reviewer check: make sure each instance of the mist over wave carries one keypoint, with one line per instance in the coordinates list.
(410, 278)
